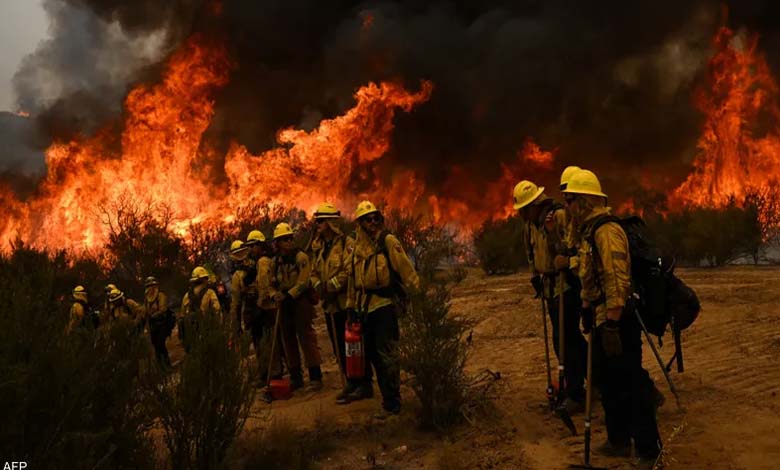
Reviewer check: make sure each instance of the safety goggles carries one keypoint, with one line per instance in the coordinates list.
(372, 218)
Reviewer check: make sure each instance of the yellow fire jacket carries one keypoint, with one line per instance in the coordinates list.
(155, 306)
(292, 274)
(209, 303)
(605, 275)
(265, 283)
(542, 245)
(331, 269)
(129, 309)
(76, 314)
(370, 274)
(236, 294)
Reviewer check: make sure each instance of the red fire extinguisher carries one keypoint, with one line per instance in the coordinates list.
(353, 339)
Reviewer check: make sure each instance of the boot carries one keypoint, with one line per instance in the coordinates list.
(343, 397)
(611, 450)
(647, 464)
(362, 392)
(296, 379)
(315, 379)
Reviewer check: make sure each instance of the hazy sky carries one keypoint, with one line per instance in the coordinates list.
(23, 24)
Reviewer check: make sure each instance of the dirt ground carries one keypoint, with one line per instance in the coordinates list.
(730, 410)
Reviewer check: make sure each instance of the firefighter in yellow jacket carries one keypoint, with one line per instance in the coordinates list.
(331, 250)
(120, 307)
(545, 234)
(381, 274)
(627, 392)
(239, 267)
(158, 318)
(292, 291)
(79, 309)
(199, 299)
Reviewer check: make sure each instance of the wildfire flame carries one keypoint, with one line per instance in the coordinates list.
(739, 149)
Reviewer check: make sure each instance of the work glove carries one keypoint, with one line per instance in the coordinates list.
(610, 338)
(280, 296)
(536, 281)
(561, 262)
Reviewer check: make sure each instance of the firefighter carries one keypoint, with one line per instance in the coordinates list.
(331, 250)
(79, 309)
(122, 308)
(107, 290)
(381, 274)
(238, 260)
(292, 291)
(258, 313)
(627, 392)
(544, 234)
(199, 300)
(158, 318)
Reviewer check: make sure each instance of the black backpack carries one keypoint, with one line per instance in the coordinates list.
(663, 298)
(91, 318)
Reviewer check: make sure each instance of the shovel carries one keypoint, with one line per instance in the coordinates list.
(560, 409)
(588, 403)
(550, 390)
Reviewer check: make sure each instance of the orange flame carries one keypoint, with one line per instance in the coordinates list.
(739, 149)
(162, 160)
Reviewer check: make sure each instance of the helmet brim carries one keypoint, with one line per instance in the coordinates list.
(530, 200)
(584, 191)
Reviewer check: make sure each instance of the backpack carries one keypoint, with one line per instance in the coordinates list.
(91, 318)
(396, 285)
(663, 298)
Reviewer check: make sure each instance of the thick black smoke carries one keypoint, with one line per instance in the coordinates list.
(609, 83)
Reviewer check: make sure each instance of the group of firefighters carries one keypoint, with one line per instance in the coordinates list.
(275, 287)
(570, 253)
(580, 261)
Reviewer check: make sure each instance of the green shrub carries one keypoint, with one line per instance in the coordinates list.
(67, 401)
(433, 353)
(499, 246)
(205, 406)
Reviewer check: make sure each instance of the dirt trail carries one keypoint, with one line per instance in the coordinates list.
(729, 390)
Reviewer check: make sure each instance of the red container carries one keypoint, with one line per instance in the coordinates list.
(353, 342)
(280, 389)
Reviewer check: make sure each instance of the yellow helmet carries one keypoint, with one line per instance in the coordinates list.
(199, 273)
(79, 293)
(110, 287)
(584, 182)
(283, 230)
(254, 237)
(115, 295)
(151, 281)
(525, 193)
(238, 250)
(568, 172)
(365, 208)
(326, 210)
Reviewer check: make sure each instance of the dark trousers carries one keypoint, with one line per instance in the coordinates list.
(576, 348)
(159, 333)
(380, 330)
(260, 324)
(297, 328)
(627, 390)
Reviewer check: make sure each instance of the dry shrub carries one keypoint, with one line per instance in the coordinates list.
(205, 406)
(282, 446)
(499, 246)
(67, 401)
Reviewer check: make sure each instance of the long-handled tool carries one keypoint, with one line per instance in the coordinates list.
(273, 346)
(658, 358)
(588, 404)
(560, 409)
(335, 343)
(550, 390)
